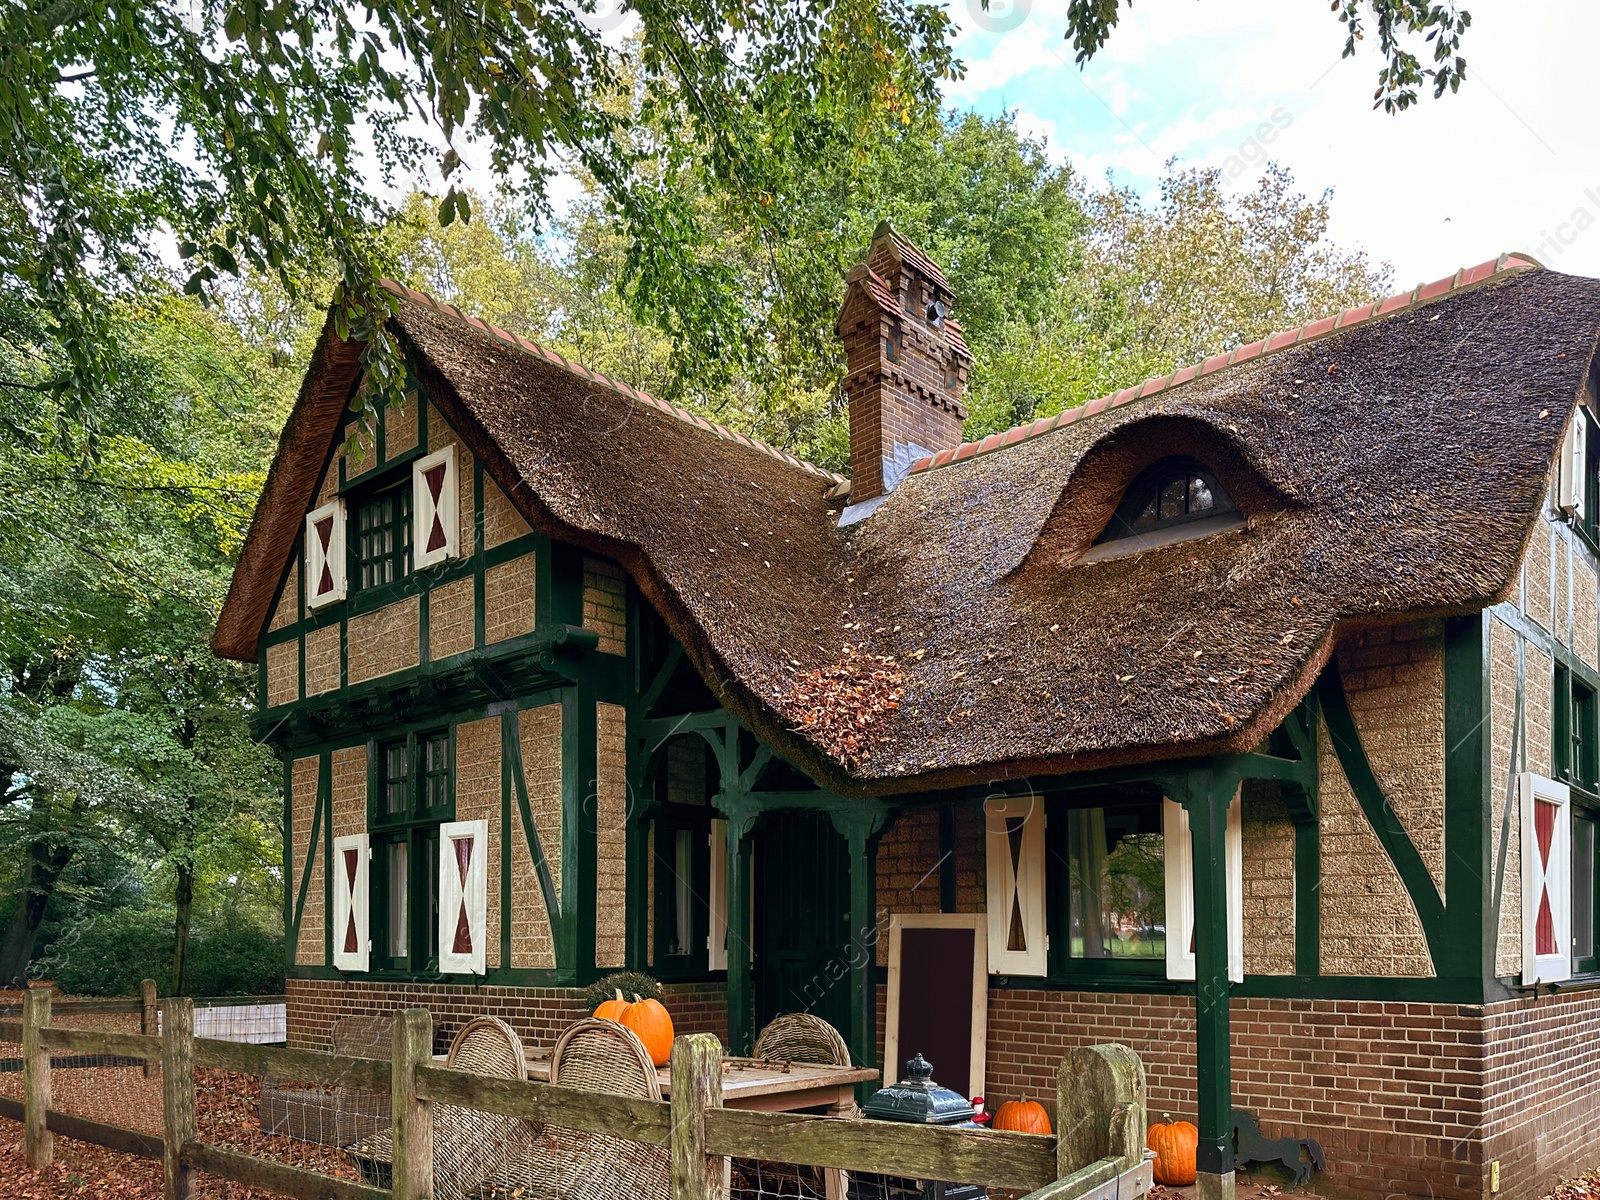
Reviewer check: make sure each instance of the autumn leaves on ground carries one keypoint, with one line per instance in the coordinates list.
(227, 1116)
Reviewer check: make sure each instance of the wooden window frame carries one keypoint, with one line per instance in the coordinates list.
(1150, 483)
(1575, 730)
(396, 562)
(696, 823)
(418, 826)
(1586, 808)
(1064, 967)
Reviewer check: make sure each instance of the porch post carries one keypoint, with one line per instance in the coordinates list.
(861, 825)
(740, 934)
(1209, 796)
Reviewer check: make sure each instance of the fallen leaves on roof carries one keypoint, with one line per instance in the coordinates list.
(840, 706)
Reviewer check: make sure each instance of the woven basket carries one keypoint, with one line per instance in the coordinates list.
(569, 1164)
(803, 1038)
(472, 1150)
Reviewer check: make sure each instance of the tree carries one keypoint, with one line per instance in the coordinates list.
(124, 744)
(1400, 24)
(1157, 286)
(250, 128)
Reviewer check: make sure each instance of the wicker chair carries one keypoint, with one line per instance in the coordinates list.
(333, 1116)
(472, 1150)
(801, 1037)
(572, 1164)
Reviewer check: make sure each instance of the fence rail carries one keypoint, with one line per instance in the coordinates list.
(1097, 1152)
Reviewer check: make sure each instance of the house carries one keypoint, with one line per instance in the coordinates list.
(566, 679)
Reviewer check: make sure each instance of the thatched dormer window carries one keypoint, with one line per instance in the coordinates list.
(1172, 499)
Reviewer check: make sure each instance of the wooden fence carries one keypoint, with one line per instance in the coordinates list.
(1097, 1153)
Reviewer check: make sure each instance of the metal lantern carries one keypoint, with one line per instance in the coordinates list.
(919, 1100)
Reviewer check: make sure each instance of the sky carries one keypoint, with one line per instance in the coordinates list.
(1511, 162)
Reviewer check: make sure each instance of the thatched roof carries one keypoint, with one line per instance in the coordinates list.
(1387, 468)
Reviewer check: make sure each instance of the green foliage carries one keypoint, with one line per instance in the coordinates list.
(124, 745)
(1400, 23)
(108, 954)
(243, 127)
(629, 983)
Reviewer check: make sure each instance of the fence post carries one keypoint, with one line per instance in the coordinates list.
(147, 1020)
(177, 1091)
(1100, 1108)
(696, 1086)
(411, 1153)
(38, 1143)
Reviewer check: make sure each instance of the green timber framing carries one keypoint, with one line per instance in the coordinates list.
(558, 663)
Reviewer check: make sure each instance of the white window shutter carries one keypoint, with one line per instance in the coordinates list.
(351, 902)
(1574, 461)
(463, 897)
(1546, 880)
(324, 554)
(435, 498)
(1178, 851)
(717, 938)
(1014, 837)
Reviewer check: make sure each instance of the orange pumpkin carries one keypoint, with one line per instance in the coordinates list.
(1175, 1143)
(612, 1010)
(651, 1021)
(1022, 1116)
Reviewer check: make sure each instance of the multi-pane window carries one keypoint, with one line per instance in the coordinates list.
(1173, 491)
(382, 544)
(414, 795)
(1577, 737)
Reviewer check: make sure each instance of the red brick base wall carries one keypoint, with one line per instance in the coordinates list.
(1542, 1059)
(1406, 1099)
(537, 1014)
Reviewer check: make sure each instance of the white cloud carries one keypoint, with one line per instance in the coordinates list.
(1506, 164)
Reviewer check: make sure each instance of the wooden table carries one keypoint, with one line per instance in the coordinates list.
(768, 1086)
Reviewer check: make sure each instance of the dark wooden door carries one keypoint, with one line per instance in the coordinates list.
(802, 919)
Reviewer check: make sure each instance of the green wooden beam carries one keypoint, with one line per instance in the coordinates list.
(861, 828)
(1207, 796)
(741, 998)
(1469, 939)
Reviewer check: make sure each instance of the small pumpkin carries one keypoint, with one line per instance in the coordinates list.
(1175, 1143)
(651, 1021)
(612, 1010)
(1022, 1116)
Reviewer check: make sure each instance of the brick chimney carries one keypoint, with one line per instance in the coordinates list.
(906, 363)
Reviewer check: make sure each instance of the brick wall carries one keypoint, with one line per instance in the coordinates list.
(1394, 678)
(537, 1014)
(288, 610)
(501, 521)
(1540, 1061)
(322, 660)
(384, 640)
(539, 733)
(1268, 846)
(605, 608)
(283, 673)
(508, 599)
(611, 817)
(450, 619)
(400, 427)
(1394, 1092)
